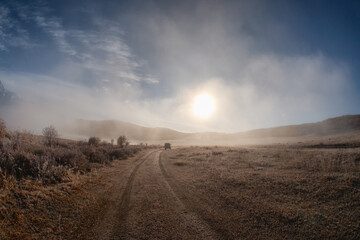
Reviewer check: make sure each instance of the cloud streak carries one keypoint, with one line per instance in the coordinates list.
(11, 33)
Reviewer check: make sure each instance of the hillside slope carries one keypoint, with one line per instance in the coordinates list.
(331, 126)
(112, 129)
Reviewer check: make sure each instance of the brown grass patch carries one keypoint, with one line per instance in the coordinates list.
(273, 192)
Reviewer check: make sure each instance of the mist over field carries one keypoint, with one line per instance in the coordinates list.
(145, 63)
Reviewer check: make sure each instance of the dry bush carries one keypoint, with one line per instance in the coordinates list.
(2, 128)
(122, 141)
(20, 164)
(118, 154)
(96, 155)
(26, 164)
(6, 162)
(94, 141)
(23, 155)
(121, 154)
(72, 159)
(21, 139)
(55, 174)
(29, 173)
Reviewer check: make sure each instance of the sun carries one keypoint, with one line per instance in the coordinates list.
(203, 105)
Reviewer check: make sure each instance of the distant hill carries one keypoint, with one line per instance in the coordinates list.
(113, 129)
(331, 126)
(109, 129)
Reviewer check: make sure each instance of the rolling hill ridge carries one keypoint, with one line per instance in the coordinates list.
(111, 129)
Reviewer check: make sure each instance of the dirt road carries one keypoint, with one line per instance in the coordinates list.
(147, 204)
(231, 193)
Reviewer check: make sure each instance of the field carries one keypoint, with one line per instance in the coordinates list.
(304, 190)
(271, 192)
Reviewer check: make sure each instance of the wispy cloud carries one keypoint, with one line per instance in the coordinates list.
(12, 34)
(101, 50)
(54, 27)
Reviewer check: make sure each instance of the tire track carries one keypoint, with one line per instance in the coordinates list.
(117, 228)
(193, 216)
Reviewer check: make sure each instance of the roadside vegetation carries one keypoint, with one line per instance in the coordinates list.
(38, 171)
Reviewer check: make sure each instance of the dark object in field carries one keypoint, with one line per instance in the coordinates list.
(167, 146)
(335, 145)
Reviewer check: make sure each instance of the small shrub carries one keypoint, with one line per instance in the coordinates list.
(82, 165)
(23, 155)
(122, 141)
(118, 154)
(94, 141)
(7, 162)
(38, 151)
(2, 128)
(21, 139)
(25, 164)
(64, 144)
(73, 159)
(98, 157)
(95, 155)
(55, 174)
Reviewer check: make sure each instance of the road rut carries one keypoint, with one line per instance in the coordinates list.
(112, 225)
(145, 206)
(157, 212)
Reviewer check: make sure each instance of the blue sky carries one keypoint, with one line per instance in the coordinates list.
(266, 63)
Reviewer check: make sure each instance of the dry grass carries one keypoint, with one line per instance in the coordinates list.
(272, 192)
(43, 189)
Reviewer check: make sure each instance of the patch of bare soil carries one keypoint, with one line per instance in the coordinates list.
(269, 192)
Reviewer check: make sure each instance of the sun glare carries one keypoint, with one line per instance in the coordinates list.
(204, 105)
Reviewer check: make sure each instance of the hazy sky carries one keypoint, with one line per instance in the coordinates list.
(266, 63)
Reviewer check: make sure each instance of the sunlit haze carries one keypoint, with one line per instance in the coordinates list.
(204, 105)
(225, 66)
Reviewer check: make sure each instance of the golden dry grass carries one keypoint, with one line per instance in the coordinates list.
(43, 189)
(271, 192)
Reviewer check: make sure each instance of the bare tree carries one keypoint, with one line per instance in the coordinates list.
(112, 141)
(121, 141)
(51, 135)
